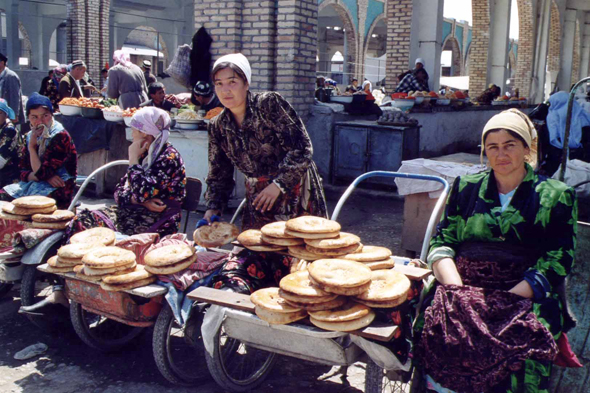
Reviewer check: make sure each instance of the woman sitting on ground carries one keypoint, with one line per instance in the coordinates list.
(49, 162)
(150, 195)
(11, 144)
(504, 246)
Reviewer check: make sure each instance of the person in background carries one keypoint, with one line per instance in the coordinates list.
(70, 85)
(320, 92)
(126, 82)
(10, 90)
(204, 96)
(48, 165)
(150, 78)
(11, 144)
(45, 81)
(157, 94)
(334, 86)
(489, 95)
(414, 81)
(353, 87)
(367, 90)
(105, 77)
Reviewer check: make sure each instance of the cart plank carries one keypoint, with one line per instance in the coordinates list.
(240, 301)
(147, 291)
(412, 272)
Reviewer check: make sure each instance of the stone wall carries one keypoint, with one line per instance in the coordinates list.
(554, 39)
(280, 43)
(478, 57)
(399, 26)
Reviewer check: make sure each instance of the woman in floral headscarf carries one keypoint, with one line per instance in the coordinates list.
(150, 195)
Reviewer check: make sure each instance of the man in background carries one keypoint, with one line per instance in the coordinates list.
(147, 72)
(70, 85)
(10, 90)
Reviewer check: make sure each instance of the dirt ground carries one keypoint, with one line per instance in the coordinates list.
(70, 366)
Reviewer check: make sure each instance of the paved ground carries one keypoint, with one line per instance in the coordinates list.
(70, 366)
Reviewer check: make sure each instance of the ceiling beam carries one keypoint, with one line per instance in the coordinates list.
(581, 5)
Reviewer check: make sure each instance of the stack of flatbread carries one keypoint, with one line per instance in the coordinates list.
(298, 291)
(272, 308)
(252, 240)
(21, 209)
(124, 280)
(59, 219)
(104, 261)
(69, 257)
(215, 235)
(376, 258)
(388, 289)
(170, 259)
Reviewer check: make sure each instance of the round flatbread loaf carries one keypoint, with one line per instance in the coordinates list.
(347, 312)
(388, 263)
(339, 273)
(11, 209)
(302, 253)
(104, 272)
(34, 202)
(369, 254)
(299, 299)
(386, 304)
(107, 257)
(66, 262)
(276, 230)
(169, 255)
(312, 224)
(50, 225)
(76, 250)
(386, 285)
(54, 267)
(57, 216)
(299, 284)
(275, 241)
(139, 273)
(267, 248)
(345, 326)
(337, 302)
(171, 269)
(79, 269)
(215, 235)
(251, 237)
(343, 240)
(13, 217)
(279, 318)
(353, 291)
(269, 299)
(334, 252)
(303, 235)
(95, 235)
(127, 286)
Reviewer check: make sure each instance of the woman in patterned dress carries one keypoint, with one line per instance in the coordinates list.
(505, 244)
(262, 136)
(150, 195)
(11, 143)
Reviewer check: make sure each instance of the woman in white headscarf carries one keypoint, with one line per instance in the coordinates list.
(150, 195)
(262, 136)
(126, 82)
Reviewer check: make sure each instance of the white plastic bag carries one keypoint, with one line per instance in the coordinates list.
(180, 67)
(576, 172)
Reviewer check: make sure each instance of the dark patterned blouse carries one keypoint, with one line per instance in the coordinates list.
(11, 143)
(272, 146)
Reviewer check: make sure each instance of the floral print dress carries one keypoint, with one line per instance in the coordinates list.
(11, 145)
(479, 336)
(165, 179)
(272, 146)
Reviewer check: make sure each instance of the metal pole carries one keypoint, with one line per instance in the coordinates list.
(345, 78)
(157, 55)
(568, 123)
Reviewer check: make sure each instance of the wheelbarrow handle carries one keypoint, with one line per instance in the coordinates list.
(433, 217)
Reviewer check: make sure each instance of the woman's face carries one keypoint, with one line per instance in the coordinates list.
(40, 116)
(505, 152)
(231, 89)
(139, 136)
(367, 88)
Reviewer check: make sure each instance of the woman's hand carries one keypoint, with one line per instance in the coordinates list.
(154, 205)
(523, 289)
(56, 181)
(210, 213)
(136, 149)
(266, 199)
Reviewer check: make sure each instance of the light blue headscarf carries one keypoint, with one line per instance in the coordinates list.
(6, 109)
(556, 121)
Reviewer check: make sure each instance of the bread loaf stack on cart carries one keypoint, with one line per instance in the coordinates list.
(339, 288)
(104, 261)
(21, 209)
(170, 259)
(59, 219)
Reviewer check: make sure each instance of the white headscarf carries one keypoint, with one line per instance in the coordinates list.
(365, 83)
(240, 61)
(155, 122)
(121, 57)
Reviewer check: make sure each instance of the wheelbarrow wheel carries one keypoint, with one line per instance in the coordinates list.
(36, 286)
(4, 288)
(178, 350)
(99, 332)
(236, 366)
(378, 381)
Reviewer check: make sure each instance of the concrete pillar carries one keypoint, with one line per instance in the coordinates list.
(585, 63)
(498, 52)
(12, 42)
(537, 92)
(567, 50)
(426, 37)
(61, 44)
(323, 49)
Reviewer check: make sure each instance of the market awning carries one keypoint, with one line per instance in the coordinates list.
(141, 50)
(455, 82)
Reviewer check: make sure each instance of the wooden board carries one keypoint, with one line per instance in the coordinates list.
(240, 301)
(412, 272)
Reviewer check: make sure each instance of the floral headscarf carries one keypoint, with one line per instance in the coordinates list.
(155, 122)
(121, 57)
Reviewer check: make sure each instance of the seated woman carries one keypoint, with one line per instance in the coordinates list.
(506, 242)
(11, 144)
(150, 195)
(49, 162)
